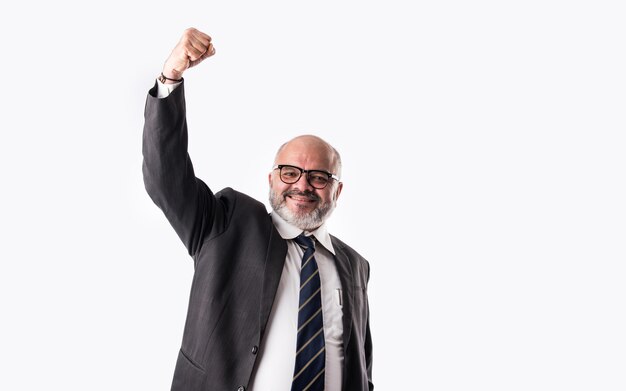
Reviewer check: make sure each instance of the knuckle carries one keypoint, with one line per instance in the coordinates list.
(188, 34)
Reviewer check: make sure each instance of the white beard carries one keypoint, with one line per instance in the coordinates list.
(306, 221)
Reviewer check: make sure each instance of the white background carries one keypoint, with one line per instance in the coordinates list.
(484, 157)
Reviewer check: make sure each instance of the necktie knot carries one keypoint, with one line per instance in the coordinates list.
(304, 241)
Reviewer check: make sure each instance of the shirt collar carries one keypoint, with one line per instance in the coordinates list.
(288, 231)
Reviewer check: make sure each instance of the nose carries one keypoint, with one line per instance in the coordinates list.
(304, 182)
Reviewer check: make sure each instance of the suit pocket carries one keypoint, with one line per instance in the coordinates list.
(359, 309)
(188, 375)
(360, 295)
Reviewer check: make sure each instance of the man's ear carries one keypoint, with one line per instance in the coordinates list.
(338, 191)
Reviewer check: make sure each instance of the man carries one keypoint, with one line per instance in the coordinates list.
(276, 302)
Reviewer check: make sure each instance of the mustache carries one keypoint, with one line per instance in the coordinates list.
(308, 194)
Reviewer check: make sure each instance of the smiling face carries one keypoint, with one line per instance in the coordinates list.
(300, 203)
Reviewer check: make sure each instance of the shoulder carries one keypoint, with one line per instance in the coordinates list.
(355, 258)
(338, 244)
(240, 200)
(240, 207)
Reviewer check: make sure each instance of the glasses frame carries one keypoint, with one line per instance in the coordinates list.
(303, 171)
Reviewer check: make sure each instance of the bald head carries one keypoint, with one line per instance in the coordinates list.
(312, 149)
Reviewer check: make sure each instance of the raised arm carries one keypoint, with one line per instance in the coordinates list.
(169, 178)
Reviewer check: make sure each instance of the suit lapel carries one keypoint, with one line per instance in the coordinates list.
(347, 285)
(274, 262)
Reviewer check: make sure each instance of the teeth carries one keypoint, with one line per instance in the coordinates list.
(301, 198)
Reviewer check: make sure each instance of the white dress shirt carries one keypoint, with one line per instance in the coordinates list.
(163, 90)
(277, 353)
(274, 370)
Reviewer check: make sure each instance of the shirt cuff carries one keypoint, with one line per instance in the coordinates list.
(163, 90)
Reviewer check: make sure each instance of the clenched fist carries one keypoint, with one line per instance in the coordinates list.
(194, 46)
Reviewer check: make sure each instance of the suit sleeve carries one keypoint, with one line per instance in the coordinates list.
(188, 204)
(368, 342)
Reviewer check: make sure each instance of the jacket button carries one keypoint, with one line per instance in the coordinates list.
(241, 388)
(255, 349)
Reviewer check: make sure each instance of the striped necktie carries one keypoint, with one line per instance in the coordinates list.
(308, 374)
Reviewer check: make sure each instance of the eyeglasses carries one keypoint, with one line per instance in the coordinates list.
(316, 178)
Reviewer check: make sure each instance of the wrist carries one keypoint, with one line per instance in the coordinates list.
(170, 77)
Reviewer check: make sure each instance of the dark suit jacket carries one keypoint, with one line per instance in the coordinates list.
(238, 258)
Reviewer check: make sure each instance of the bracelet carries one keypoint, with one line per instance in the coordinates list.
(163, 78)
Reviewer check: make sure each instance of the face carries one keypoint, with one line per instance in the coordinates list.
(300, 203)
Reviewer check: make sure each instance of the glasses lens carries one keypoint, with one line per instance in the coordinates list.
(318, 179)
(289, 174)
